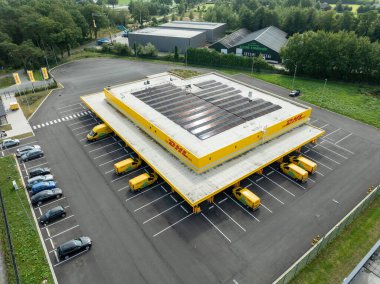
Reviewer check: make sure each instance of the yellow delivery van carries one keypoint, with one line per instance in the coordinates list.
(294, 171)
(126, 165)
(99, 132)
(304, 163)
(247, 197)
(142, 181)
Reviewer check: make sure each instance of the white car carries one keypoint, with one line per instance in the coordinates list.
(7, 143)
(22, 150)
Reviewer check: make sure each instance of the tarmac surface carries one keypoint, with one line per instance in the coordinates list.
(153, 236)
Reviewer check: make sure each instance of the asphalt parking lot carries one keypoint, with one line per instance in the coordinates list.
(153, 236)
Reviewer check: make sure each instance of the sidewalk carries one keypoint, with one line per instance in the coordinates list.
(20, 124)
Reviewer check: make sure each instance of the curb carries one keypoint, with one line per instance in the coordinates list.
(36, 223)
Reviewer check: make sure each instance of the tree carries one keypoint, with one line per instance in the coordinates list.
(191, 15)
(113, 3)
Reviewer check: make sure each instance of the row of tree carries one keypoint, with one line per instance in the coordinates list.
(341, 55)
(299, 16)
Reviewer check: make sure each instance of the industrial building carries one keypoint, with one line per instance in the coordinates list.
(214, 31)
(267, 42)
(204, 134)
(165, 40)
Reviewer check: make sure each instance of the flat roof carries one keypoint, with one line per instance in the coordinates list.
(197, 146)
(193, 187)
(193, 25)
(168, 32)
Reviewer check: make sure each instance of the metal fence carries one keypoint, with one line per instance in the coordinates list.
(324, 241)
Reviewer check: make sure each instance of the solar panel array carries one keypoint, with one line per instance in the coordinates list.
(210, 111)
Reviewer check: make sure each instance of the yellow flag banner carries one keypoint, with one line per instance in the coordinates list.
(31, 76)
(17, 78)
(45, 73)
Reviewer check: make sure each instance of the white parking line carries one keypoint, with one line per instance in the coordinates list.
(42, 125)
(84, 126)
(345, 137)
(241, 206)
(340, 147)
(64, 219)
(319, 173)
(324, 126)
(280, 186)
(271, 172)
(23, 144)
(81, 133)
(266, 207)
(315, 120)
(259, 179)
(123, 188)
(166, 210)
(70, 109)
(34, 127)
(37, 166)
(65, 231)
(39, 126)
(127, 174)
(59, 120)
(110, 161)
(70, 117)
(172, 197)
(184, 209)
(64, 118)
(168, 227)
(63, 261)
(110, 171)
(141, 207)
(81, 121)
(108, 153)
(46, 204)
(336, 153)
(223, 200)
(67, 106)
(288, 179)
(142, 192)
(267, 192)
(232, 219)
(215, 227)
(102, 147)
(331, 133)
(97, 141)
(327, 167)
(323, 155)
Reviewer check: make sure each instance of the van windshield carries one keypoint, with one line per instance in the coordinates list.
(92, 133)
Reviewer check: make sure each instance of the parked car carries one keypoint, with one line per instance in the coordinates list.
(8, 143)
(3, 134)
(43, 185)
(33, 154)
(21, 151)
(74, 247)
(38, 172)
(52, 215)
(46, 195)
(295, 93)
(102, 41)
(32, 181)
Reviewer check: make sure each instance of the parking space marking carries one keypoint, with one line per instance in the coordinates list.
(47, 226)
(39, 165)
(279, 185)
(331, 133)
(97, 141)
(315, 160)
(48, 233)
(172, 225)
(288, 178)
(319, 173)
(123, 188)
(323, 155)
(23, 144)
(65, 231)
(271, 172)
(345, 137)
(59, 120)
(70, 117)
(223, 200)
(315, 120)
(172, 197)
(43, 125)
(232, 219)
(324, 126)
(34, 127)
(131, 172)
(84, 126)
(166, 210)
(259, 179)
(105, 163)
(52, 244)
(108, 153)
(91, 118)
(63, 261)
(241, 206)
(332, 151)
(81, 133)
(267, 192)
(110, 171)
(204, 216)
(338, 146)
(142, 192)
(61, 112)
(102, 147)
(184, 209)
(266, 207)
(38, 126)
(64, 118)
(147, 204)
(67, 106)
(46, 204)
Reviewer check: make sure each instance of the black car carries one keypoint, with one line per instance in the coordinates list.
(46, 195)
(39, 172)
(74, 247)
(295, 93)
(33, 154)
(52, 215)
(22, 150)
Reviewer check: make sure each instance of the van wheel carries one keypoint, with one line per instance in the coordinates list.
(39, 203)
(63, 215)
(66, 257)
(87, 247)
(58, 196)
(41, 156)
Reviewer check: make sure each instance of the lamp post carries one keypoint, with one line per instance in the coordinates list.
(294, 76)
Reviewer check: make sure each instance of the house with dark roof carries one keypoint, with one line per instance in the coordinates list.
(267, 42)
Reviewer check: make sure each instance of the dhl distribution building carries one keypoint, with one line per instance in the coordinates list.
(204, 134)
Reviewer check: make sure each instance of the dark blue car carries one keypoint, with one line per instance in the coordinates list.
(44, 185)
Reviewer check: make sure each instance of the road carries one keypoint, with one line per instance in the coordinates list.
(138, 240)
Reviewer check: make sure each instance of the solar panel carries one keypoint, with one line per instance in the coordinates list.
(214, 109)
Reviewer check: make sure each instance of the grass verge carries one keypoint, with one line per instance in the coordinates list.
(30, 258)
(6, 127)
(37, 75)
(6, 82)
(185, 73)
(339, 257)
(33, 99)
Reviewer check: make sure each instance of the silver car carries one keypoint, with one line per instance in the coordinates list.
(22, 150)
(37, 179)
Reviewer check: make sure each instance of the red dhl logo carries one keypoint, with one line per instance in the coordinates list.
(293, 119)
(178, 148)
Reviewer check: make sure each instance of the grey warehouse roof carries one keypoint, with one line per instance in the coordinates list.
(233, 38)
(193, 25)
(168, 32)
(271, 37)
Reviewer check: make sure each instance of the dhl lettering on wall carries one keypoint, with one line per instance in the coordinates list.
(293, 119)
(178, 148)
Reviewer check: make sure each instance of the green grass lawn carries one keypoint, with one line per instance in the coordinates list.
(337, 259)
(124, 2)
(6, 82)
(354, 7)
(37, 75)
(185, 73)
(34, 100)
(30, 258)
